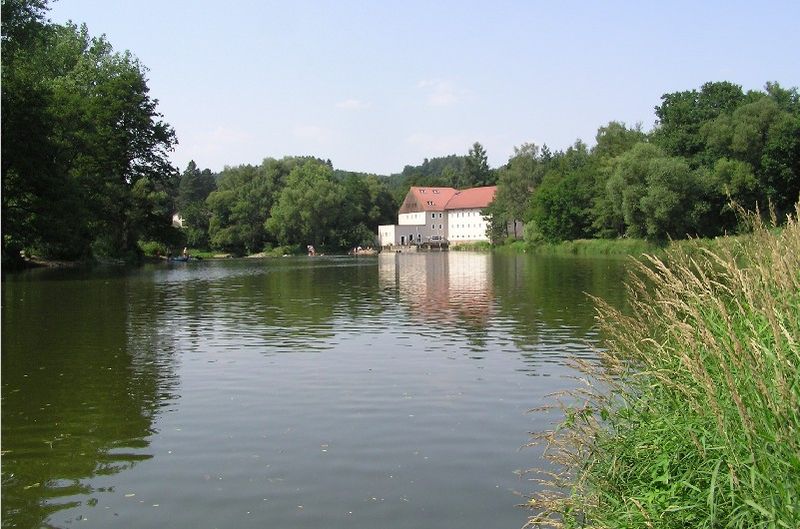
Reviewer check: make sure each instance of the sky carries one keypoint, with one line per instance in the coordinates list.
(377, 85)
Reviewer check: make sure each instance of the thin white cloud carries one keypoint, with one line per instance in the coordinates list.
(440, 92)
(353, 104)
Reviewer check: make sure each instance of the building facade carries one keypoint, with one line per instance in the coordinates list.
(439, 215)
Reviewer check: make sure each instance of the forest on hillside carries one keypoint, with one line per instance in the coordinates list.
(86, 171)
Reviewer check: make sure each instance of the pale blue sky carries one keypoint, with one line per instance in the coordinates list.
(377, 85)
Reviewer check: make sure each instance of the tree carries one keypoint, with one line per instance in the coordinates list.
(28, 174)
(241, 204)
(476, 168)
(682, 114)
(561, 204)
(658, 196)
(79, 132)
(195, 186)
(767, 138)
(307, 208)
(612, 141)
(193, 190)
(515, 185)
(615, 139)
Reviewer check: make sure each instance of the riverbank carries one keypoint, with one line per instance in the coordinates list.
(691, 417)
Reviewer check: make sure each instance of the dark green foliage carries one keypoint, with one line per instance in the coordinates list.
(84, 162)
(561, 204)
(193, 190)
(515, 185)
(476, 169)
(710, 147)
(296, 202)
(240, 206)
(682, 114)
(658, 196)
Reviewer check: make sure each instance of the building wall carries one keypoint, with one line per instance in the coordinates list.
(411, 219)
(396, 235)
(415, 228)
(435, 226)
(466, 225)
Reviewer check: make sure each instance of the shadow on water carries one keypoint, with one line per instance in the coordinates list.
(84, 374)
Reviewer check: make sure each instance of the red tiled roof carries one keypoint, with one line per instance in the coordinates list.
(427, 199)
(475, 197)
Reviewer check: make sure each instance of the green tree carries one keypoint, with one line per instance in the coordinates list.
(612, 141)
(30, 182)
(307, 208)
(193, 190)
(682, 114)
(80, 130)
(195, 185)
(658, 196)
(767, 138)
(616, 138)
(240, 206)
(515, 185)
(561, 204)
(476, 168)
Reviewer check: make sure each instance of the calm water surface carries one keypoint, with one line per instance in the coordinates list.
(332, 392)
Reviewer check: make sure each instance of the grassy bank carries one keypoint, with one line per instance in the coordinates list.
(590, 247)
(692, 417)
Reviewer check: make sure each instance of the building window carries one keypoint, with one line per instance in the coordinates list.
(440, 226)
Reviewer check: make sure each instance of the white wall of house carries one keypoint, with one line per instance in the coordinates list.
(412, 219)
(396, 235)
(466, 225)
(386, 235)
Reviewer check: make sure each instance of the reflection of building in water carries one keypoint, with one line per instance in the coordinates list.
(447, 287)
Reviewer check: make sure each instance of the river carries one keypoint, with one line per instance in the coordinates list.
(329, 392)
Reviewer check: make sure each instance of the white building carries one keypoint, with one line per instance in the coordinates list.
(439, 215)
(465, 220)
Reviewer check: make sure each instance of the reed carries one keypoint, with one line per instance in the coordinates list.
(692, 416)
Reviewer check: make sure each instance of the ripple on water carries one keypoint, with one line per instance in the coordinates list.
(288, 392)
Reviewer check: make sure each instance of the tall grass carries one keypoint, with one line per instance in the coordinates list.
(692, 417)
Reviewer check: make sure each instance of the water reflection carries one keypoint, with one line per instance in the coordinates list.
(83, 377)
(447, 288)
(229, 393)
(542, 304)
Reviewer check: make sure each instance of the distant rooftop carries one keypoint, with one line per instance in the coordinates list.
(475, 197)
(445, 198)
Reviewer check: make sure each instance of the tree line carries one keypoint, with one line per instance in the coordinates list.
(86, 170)
(710, 147)
(286, 203)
